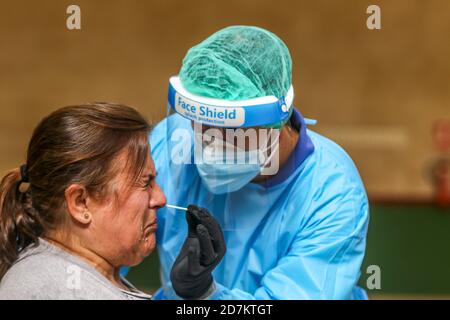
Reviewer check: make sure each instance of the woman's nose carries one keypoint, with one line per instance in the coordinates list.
(157, 198)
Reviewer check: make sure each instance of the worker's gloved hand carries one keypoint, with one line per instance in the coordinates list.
(202, 251)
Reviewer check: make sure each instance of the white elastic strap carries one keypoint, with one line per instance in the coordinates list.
(176, 83)
(310, 122)
(289, 97)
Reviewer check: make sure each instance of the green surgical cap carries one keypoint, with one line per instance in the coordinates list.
(236, 63)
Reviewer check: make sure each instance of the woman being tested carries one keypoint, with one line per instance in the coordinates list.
(83, 206)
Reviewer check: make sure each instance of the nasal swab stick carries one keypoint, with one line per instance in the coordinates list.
(176, 207)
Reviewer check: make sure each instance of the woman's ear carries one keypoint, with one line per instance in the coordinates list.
(76, 200)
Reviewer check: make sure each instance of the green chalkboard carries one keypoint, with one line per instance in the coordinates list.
(410, 244)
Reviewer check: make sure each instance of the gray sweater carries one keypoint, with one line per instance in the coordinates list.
(47, 272)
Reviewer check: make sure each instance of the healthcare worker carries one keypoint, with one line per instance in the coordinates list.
(295, 231)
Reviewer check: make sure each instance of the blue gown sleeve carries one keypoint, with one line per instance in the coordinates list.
(324, 257)
(324, 260)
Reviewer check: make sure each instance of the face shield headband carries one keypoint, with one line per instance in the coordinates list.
(263, 111)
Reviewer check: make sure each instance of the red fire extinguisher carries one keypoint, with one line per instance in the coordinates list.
(441, 169)
(441, 178)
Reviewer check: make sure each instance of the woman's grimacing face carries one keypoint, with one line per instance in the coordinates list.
(123, 227)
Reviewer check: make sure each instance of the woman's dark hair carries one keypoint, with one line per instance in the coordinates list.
(75, 144)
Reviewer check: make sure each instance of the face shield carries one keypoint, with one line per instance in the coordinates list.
(228, 144)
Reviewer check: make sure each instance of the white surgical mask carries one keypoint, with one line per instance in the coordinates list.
(226, 168)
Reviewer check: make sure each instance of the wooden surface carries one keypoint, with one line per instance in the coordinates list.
(377, 93)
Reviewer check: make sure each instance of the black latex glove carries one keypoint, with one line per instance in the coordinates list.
(202, 251)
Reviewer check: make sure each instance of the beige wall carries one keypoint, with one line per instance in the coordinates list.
(375, 92)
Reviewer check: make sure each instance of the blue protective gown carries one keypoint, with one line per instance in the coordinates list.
(301, 235)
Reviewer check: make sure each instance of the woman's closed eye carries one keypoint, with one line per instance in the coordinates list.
(148, 182)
